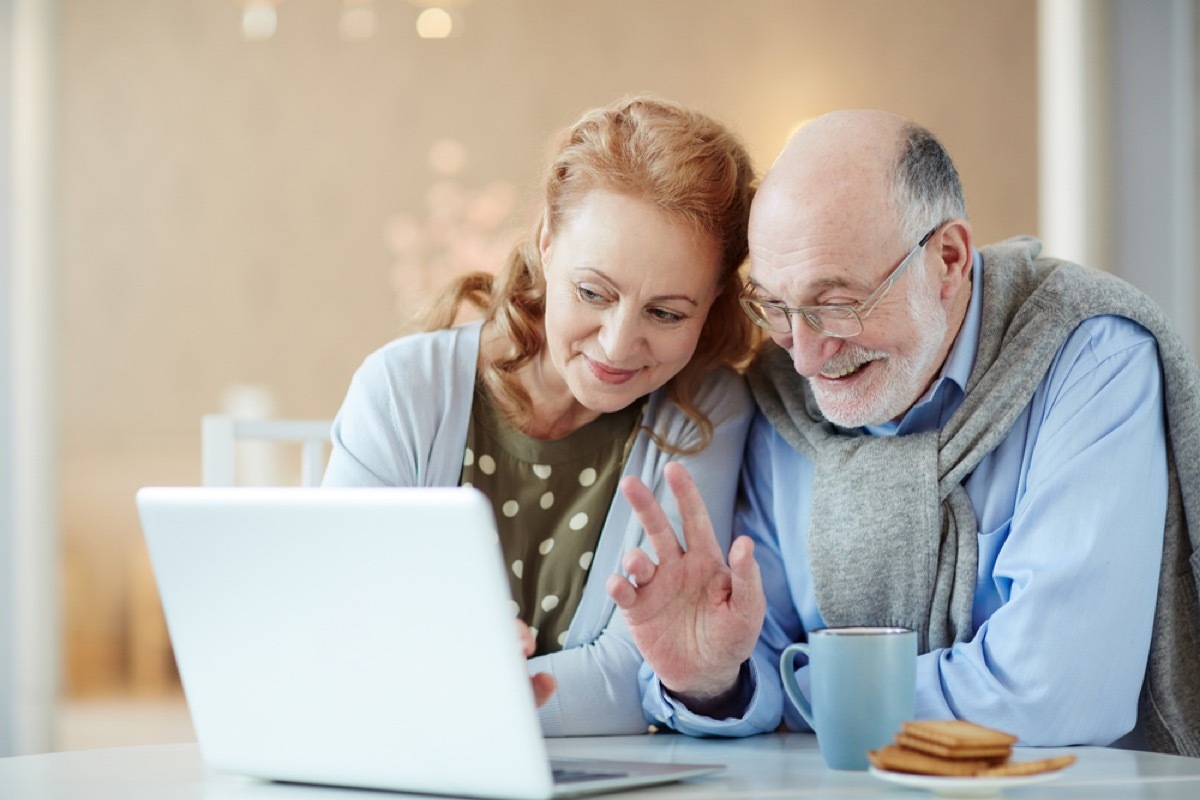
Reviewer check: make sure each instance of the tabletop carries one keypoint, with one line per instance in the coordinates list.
(769, 766)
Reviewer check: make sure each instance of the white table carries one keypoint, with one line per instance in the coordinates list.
(774, 766)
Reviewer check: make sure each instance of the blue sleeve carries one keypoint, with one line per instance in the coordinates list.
(368, 446)
(1061, 659)
(405, 417)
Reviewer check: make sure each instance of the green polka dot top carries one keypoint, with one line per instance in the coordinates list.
(551, 499)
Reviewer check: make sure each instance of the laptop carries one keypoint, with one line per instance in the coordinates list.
(357, 637)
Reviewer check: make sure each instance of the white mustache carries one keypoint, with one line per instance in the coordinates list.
(850, 360)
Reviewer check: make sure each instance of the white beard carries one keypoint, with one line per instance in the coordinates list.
(898, 380)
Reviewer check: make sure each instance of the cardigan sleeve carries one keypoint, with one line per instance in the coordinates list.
(368, 444)
(404, 419)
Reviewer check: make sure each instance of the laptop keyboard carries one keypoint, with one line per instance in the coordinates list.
(577, 775)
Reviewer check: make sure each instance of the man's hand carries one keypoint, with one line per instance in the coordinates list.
(543, 682)
(694, 618)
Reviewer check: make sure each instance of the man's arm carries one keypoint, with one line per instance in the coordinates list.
(1061, 656)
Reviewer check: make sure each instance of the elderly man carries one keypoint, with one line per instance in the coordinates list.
(996, 449)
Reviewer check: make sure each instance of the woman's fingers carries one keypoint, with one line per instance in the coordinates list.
(528, 645)
(543, 683)
(543, 686)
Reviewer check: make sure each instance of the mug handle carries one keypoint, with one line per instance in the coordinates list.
(787, 671)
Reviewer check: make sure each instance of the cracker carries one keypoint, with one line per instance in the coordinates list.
(1016, 768)
(958, 733)
(997, 753)
(895, 758)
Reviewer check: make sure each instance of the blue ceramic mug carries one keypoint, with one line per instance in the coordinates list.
(863, 686)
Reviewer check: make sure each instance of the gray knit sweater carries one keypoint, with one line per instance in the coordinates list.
(926, 580)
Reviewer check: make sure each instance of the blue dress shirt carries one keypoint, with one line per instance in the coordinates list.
(1070, 507)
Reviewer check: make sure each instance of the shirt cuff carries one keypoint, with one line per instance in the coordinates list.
(754, 698)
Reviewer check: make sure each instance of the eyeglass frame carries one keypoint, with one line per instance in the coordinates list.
(810, 314)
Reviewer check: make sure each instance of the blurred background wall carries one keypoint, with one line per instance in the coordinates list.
(250, 197)
(238, 212)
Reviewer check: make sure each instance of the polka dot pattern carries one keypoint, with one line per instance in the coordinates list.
(551, 498)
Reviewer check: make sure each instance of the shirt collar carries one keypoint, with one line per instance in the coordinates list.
(943, 398)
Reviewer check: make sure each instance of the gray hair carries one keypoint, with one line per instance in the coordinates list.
(925, 187)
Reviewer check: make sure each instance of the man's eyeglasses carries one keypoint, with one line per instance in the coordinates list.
(842, 322)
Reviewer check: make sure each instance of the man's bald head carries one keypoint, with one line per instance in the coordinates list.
(861, 169)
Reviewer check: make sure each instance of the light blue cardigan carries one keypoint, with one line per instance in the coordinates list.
(404, 423)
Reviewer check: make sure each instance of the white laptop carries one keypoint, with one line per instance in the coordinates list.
(357, 637)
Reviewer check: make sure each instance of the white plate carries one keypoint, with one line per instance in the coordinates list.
(962, 787)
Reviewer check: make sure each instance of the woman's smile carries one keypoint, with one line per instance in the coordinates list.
(609, 374)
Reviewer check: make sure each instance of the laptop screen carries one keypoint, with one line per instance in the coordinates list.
(359, 637)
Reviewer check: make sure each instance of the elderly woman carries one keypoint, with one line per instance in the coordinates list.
(605, 348)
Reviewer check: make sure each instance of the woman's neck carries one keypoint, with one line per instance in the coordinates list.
(554, 412)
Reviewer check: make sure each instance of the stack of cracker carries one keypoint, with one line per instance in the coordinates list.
(955, 747)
